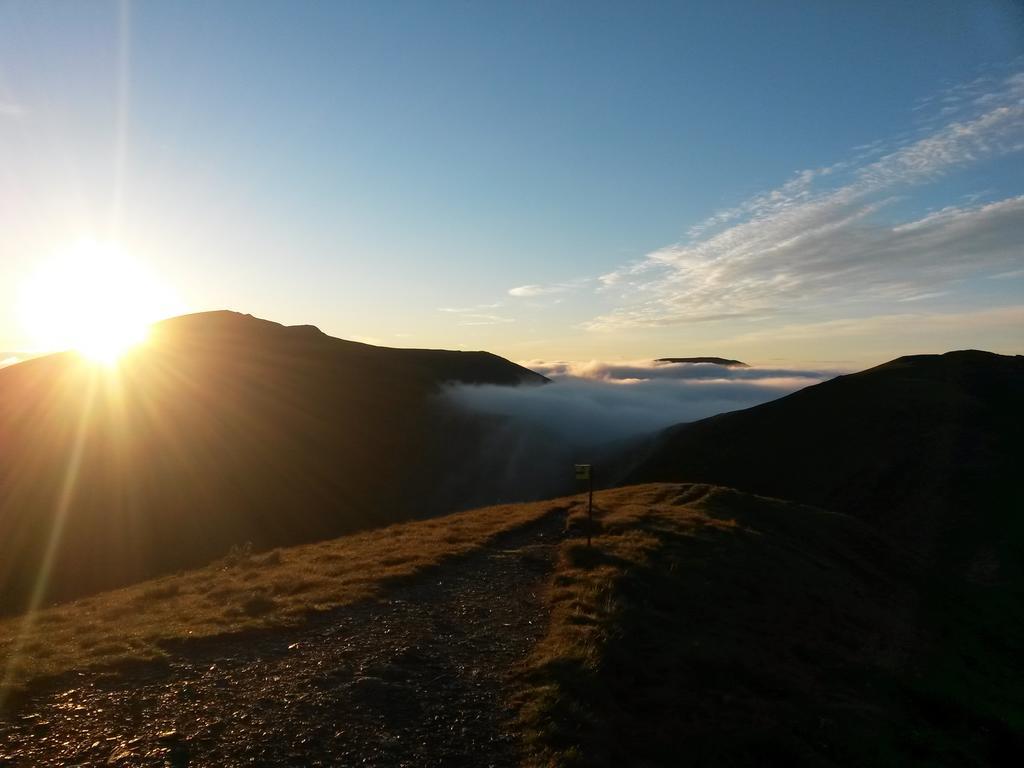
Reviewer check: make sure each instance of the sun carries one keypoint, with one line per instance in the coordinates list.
(107, 343)
(94, 299)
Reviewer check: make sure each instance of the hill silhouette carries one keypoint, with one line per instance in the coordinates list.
(223, 429)
(925, 447)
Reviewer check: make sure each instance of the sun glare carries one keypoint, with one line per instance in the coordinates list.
(93, 299)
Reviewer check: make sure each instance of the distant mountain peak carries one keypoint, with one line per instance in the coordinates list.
(714, 360)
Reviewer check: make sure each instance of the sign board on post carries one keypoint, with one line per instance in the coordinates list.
(582, 471)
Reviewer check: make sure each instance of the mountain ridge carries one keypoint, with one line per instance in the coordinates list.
(224, 429)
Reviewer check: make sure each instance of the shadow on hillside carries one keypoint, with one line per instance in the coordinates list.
(760, 634)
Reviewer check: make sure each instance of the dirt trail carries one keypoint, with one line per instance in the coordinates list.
(418, 678)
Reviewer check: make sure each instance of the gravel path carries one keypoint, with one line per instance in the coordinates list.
(418, 678)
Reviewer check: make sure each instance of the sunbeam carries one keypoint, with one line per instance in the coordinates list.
(62, 506)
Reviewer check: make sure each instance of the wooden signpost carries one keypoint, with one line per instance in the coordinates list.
(585, 472)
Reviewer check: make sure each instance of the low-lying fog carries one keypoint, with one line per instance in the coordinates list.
(598, 402)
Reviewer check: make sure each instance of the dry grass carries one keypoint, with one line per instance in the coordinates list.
(241, 592)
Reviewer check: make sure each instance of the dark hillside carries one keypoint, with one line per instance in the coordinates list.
(223, 429)
(924, 446)
(708, 627)
(926, 449)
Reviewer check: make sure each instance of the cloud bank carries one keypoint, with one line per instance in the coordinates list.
(594, 402)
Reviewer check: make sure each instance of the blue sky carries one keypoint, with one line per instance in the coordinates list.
(773, 181)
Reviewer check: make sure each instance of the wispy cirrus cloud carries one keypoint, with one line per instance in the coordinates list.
(903, 323)
(483, 319)
(12, 109)
(473, 308)
(478, 314)
(826, 236)
(530, 291)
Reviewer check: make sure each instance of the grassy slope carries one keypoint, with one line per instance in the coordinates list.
(241, 592)
(705, 627)
(711, 627)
